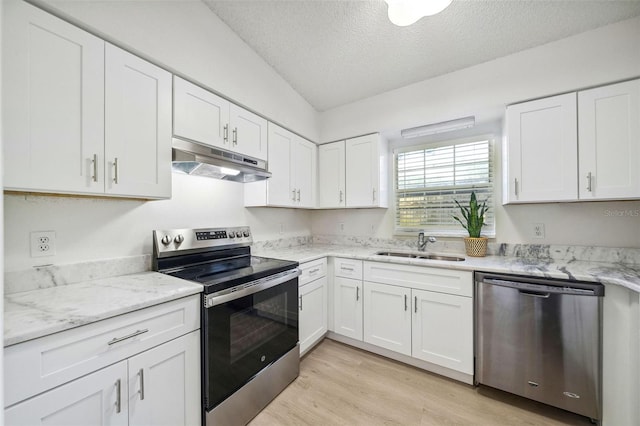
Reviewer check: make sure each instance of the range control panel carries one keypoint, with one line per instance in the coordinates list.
(174, 240)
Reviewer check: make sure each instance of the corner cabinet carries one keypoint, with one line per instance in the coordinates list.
(204, 117)
(354, 173)
(292, 162)
(140, 368)
(578, 146)
(103, 128)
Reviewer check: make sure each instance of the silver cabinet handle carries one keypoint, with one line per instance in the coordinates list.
(313, 271)
(294, 194)
(118, 396)
(374, 195)
(298, 191)
(405, 302)
(128, 336)
(300, 304)
(235, 136)
(515, 186)
(344, 268)
(340, 196)
(415, 304)
(115, 170)
(226, 133)
(94, 164)
(141, 374)
(357, 293)
(589, 177)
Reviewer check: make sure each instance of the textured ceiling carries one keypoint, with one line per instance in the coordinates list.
(336, 52)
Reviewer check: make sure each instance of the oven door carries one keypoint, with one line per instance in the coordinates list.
(244, 335)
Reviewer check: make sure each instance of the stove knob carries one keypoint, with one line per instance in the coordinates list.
(178, 239)
(166, 240)
(246, 233)
(232, 234)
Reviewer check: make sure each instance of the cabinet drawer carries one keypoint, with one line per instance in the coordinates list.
(41, 364)
(422, 278)
(347, 268)
(312, 271)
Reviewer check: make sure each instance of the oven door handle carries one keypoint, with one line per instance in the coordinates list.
(247, 289)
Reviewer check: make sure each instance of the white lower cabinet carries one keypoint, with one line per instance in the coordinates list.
(348, 307)
(312, 303)
(313, 313)
(442, 330)
(95, 399)
(140, 368)
(387, 316)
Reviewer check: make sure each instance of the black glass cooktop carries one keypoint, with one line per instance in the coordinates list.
(226, 273)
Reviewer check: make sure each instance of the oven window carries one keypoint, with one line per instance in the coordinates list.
(255, 325)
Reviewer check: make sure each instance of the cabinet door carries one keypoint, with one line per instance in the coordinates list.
(443, 330)
(137, 126)
(361, 171)
(542, 150)
(199, 115)
(387, 317)
(99, 398)
(348, 307)
(53, 103)
(331, 175)
(280, 191)
(609, 135)
(303, 170)
(313, 313)
(164, 384)
(248, 133)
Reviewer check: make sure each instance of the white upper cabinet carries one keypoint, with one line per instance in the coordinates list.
(248, 132)
(542, 150)
(53, 103)
(331, 175)
(206, 118)
(609, 135)
(81, 117)
(199, 115)
(137, 126)
(366, 171)
(292, 162)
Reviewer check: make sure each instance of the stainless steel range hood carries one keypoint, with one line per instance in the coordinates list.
(194, 159)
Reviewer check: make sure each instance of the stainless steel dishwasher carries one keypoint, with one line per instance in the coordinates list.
(540, 339)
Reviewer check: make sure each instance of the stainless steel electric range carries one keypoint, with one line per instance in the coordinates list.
(249, 327)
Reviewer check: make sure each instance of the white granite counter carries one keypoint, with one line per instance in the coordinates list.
(32, 314)
(626, 275)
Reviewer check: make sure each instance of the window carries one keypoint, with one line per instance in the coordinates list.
(429, 178)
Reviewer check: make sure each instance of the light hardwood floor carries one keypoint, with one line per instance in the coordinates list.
(341, 385)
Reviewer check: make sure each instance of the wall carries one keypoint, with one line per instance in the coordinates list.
(1, 242)
(101, 228)
(595, 57)
(186, 37)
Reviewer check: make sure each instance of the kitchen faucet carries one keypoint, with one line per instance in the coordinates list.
(422, 243)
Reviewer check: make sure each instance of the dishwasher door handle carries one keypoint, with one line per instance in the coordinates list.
(534, 294)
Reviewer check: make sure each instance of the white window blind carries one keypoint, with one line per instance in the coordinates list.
(429, 178)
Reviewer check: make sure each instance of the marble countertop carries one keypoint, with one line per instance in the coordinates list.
(32, 314)
(604, 272)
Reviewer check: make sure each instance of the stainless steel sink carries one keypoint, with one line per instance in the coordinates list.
(421, 256)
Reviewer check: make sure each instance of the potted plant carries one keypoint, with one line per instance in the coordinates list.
(473, 216)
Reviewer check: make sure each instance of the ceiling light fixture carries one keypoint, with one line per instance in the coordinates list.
(435, 128)
(407, 12)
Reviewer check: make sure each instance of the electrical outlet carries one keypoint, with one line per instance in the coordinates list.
(538, 230)
(43, 243)
(281, 228)
(341, 226)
